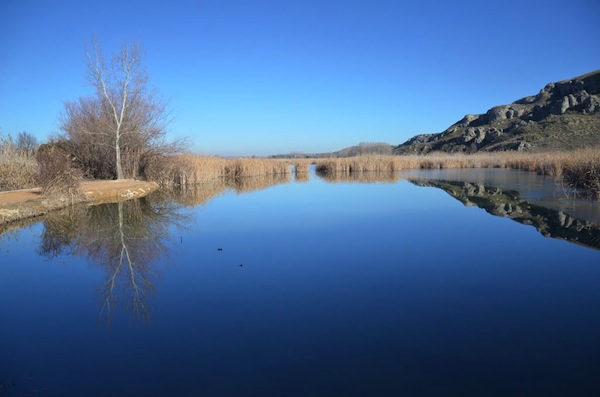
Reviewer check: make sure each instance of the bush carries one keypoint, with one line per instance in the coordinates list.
(59, 174)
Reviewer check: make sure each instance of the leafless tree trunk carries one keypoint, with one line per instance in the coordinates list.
(119, 85)
(138, 306)
(121, 130)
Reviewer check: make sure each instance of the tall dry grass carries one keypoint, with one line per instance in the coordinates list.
(240, 168)
(301, 166)
(577, 169)
(391, 163)
(583, 172)
(188, 169)
(18, 168)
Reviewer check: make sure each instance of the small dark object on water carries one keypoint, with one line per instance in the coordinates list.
(181, 239)
(241, 264)
(219, 249)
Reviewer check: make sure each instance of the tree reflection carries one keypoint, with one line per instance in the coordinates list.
(125, 239)
(60, 229)
(129, 237)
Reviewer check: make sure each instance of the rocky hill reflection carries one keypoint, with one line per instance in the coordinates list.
(507, 203)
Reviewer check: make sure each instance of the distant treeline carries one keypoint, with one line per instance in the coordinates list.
(363, 148)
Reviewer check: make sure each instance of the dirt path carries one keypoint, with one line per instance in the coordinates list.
(21, 204)
(89, 187)
(19, 196)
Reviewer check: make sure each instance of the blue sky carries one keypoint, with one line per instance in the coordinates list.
(264, 77)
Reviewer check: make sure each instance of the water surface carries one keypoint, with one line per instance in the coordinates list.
(319, 287)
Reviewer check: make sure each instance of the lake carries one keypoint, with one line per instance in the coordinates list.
(425, 283)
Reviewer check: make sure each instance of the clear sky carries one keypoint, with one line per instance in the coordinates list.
(273, 76)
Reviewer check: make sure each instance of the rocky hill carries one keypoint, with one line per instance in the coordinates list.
(564, 115)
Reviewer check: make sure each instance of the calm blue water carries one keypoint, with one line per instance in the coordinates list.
(299, 289)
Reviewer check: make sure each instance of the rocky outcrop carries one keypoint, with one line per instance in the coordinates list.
(565, 114)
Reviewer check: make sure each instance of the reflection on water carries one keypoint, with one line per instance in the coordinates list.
(537, 189)
(359, 177)
(508, 203)
(386, 289)
(124, 239)
(301, 176)
(525, 197)
(245, 185)
(194, 195)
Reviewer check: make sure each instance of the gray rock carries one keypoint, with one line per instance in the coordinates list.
(545, 120)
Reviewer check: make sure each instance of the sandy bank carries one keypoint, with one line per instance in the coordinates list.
(22, 204)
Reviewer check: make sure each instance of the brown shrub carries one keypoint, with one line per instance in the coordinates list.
(58, 173)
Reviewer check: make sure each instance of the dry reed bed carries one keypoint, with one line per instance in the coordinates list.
(192, 169)
(301, 166)
(18, 170)
(578, 169)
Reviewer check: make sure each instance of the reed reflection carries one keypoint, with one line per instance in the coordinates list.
(195, 195)
(246, 185)
(507, 203)
(301, 177)
(359, 177)
(200, 194)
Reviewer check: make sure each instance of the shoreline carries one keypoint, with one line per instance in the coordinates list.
(24, 204)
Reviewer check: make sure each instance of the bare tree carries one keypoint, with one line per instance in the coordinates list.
(124, 126)
(86, 125)
(119, 85)
(27, 142)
